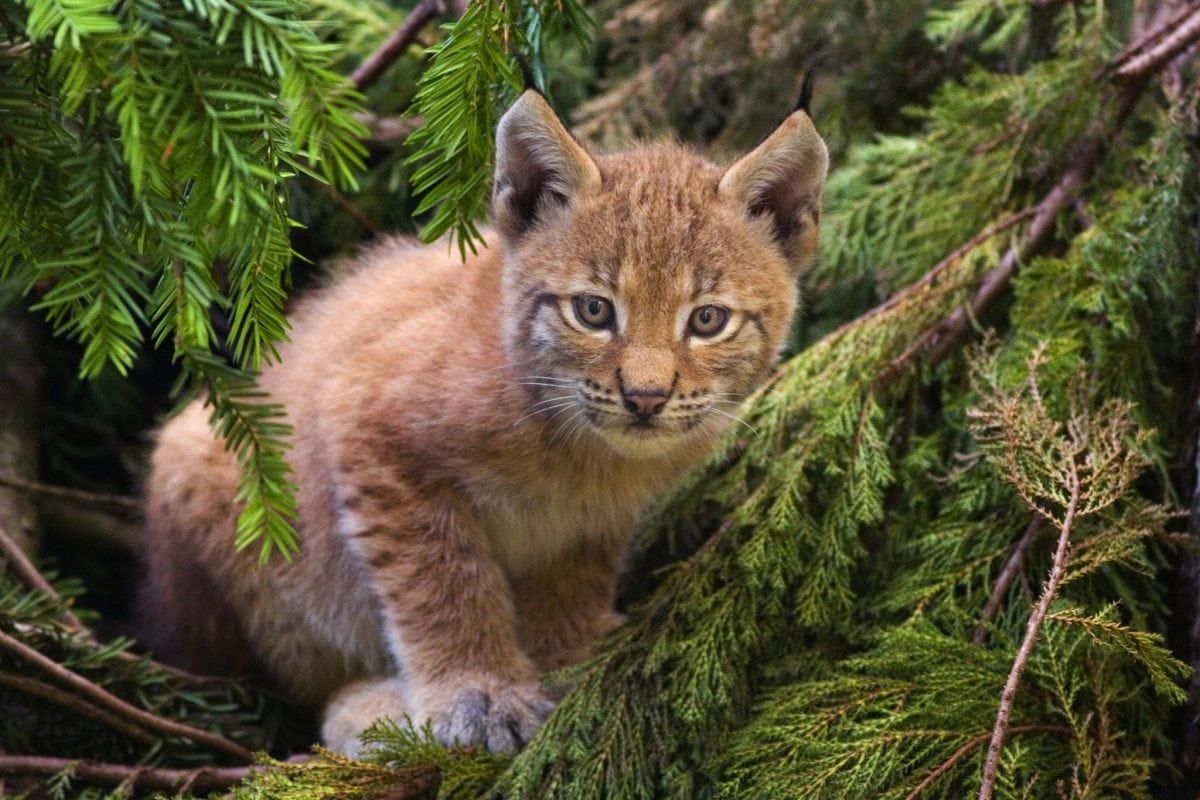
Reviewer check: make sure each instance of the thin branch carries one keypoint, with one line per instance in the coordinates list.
(1032, 627)
(387, 130)
(67, 700)
(131, 776)
(1156, 57)
(1012, 568)
(116, 501)
(931, 276)
(28, 573)
(1152, 37)
(117, 705)
(414, 782)
(354, 211)
(15, 50)
(936, 342)
(377, 63)
(970, 745)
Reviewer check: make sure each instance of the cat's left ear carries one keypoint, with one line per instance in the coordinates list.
(538, 165)
(783, 179)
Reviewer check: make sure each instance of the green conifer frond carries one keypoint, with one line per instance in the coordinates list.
(152, 159)
(472, 76)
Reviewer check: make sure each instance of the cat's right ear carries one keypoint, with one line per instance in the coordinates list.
(538, 165)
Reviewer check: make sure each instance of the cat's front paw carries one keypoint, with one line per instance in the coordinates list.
(501, 718)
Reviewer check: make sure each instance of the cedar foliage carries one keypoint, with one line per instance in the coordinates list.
(831, 605)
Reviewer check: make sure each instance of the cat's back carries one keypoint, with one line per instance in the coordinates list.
(394, 292)
(396, 320)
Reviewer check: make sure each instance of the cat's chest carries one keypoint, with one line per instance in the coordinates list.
(531, 526)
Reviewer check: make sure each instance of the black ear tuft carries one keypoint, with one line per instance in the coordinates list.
(527, 76)
(804, 101)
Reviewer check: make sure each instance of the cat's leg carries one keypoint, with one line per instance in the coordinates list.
(565, 606)
(448, 613)
(357, 706)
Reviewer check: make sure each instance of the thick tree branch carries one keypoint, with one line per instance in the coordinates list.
(377, 63)
(932, 275)
(410, 783)
(115, 704)
(1032, 627)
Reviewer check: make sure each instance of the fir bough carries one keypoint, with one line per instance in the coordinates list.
(147, 149)
(474, 75)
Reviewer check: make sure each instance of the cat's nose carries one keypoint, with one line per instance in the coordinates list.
(645, 402)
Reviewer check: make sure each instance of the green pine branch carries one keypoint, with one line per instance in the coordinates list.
(472, 75)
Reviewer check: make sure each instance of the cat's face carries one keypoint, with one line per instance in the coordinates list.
(647, 294)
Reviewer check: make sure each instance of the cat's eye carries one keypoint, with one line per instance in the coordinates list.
(595, 312)
(708, 321)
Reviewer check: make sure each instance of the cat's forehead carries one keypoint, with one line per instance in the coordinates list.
(658, 220)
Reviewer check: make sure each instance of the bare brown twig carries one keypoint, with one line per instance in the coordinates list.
(1012, 568)
(1032, 627)
(931, 276)
(1153, 36)
(67, 700)
(124, 504)
(377, 63)
(24, 569)
(29, 574)
(115, 704)
(385, 130)
(1179, 38)
(970, 745)
(938, 340)
(144, 777)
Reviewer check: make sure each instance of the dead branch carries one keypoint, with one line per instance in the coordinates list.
(970, 745)
(386, 130)
(1153, 36)
(1012, 568)
(931, 276)
(20, 374)
(1032, 627)
(28, 574)
(67, 700)
(377, 63)
(114, 501)
(117, 774)
(1178, 39)
(936, 342)
(117, 705)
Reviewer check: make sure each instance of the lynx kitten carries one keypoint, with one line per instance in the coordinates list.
(474, 443)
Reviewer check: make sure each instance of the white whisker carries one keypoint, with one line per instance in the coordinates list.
(734, 418)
